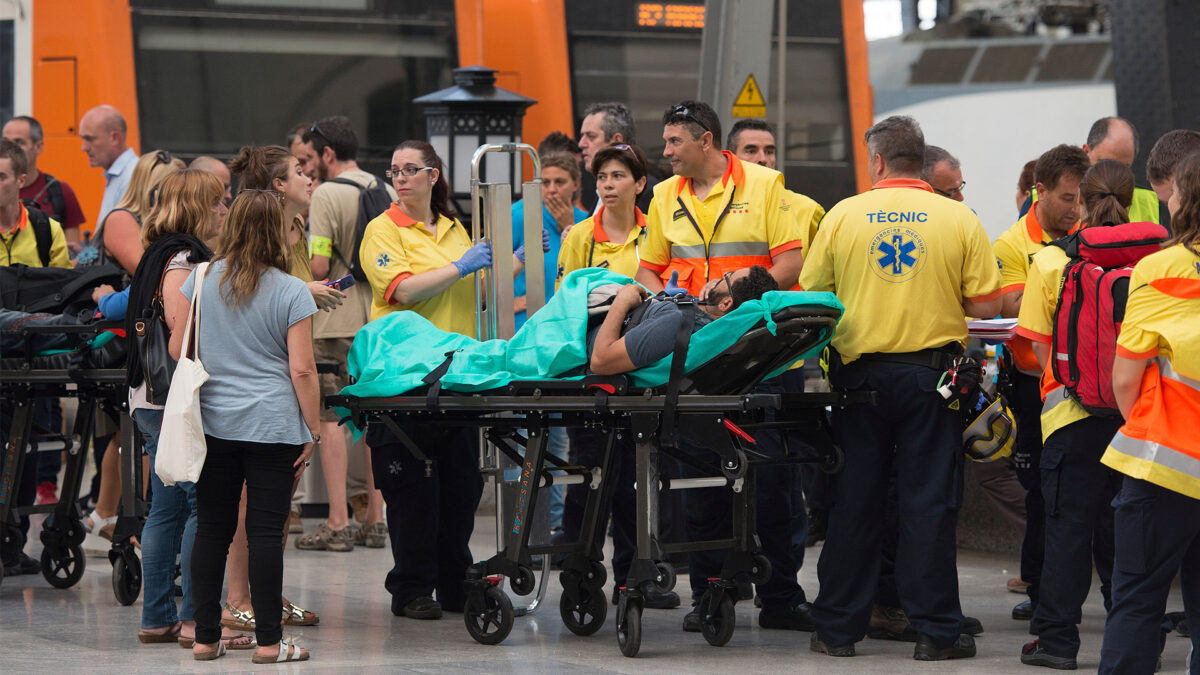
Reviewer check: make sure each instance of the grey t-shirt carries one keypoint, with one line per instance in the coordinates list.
(654, 337)
(249, 394)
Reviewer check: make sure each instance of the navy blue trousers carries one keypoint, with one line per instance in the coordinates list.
(1078, 491)
(1026, 405)
(430, 519)
(911, 433)
(780, 513)
(585, 449)
(1157, 537)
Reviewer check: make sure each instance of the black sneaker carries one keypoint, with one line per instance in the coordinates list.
(424, 607)
(818, 519)
(795, 617)
(890, 623)
(691, 622)
(1033, 654)
(972, 626)
(1023, 611)
(963, 648)
(22, 565)
(816, 645)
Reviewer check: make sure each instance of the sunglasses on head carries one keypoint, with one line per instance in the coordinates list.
(161, 157)
(684, 112)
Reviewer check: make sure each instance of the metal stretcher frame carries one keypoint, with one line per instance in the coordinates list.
(652, 416)
(62, 535)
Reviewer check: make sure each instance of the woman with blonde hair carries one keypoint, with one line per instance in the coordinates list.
(260, 411)
(118, 235)
(177, 236)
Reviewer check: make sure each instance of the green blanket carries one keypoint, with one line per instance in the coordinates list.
(392, 354)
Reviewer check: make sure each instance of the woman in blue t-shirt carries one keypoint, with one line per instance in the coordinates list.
(260, 410)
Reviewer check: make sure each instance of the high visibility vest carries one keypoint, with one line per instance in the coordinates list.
(754, 223)
(1160, 441)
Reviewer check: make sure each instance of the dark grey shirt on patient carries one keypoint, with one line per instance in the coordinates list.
(654, 337)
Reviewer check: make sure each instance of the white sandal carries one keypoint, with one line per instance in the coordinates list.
(288, 651)
(99, 524)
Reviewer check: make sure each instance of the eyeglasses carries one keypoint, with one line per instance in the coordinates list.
(409, 171)
(685, 113)
(316, 131)
(161, 157)
(270, 193)
(728, 283)
(956, 191)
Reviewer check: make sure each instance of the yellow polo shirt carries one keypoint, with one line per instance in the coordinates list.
(808, 214)
(395, 247)
(1036, 322)
(902, 260)
(20, 245)
(588, 245)
(743, 221)
(1161, 315)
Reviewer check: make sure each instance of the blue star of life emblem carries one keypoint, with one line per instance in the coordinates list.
(897, 253)
(382, 259)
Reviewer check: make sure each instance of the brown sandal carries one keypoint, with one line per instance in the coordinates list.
(147, 637)
(239, 641)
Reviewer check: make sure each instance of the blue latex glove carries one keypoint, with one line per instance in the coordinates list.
(520, 252)
(475, 259)
(672, 287)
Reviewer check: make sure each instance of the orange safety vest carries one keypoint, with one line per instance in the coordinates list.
(1160, 442)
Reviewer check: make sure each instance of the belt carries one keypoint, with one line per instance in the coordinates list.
(939, 358)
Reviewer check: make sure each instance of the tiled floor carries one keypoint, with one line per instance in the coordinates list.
(84, 629)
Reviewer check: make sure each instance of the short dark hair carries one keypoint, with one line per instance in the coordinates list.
(35, 127)
(296, 134)
(1168, 151)
(1061, 160)
(617, 120)
(739, 126)
(1025, 180)
(557, 141)
(1099, 132)
(933, 156)
(752, 287)
(562, 161)
(10, 149)
(697, 116)
(900, 142)
(333, 132)
(630, 155)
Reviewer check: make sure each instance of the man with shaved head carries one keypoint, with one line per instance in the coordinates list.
(1116, 138)
(102, 134)
(217, 168)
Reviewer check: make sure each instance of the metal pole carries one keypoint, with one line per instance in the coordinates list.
(781, 89)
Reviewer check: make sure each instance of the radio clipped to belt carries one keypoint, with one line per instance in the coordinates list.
(988, 430)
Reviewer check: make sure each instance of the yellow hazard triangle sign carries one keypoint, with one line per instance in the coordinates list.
(749, 101)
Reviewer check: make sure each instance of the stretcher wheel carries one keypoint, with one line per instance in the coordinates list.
(489, 617)
(666, 577)
(629, 633)
(834, 461)
(62, 565)
(588, 615)
(760, 573)
(718, 628)
(127, 579)
(599, 574)
(524, 582)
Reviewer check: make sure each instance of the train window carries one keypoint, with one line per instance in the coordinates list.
(817, 109)
(7, 83)
(210, 83)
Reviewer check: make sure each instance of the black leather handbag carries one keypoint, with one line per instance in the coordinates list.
(151, 341)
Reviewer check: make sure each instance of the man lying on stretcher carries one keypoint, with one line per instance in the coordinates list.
(638, 331)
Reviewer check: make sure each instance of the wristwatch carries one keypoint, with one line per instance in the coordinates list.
(316, 438)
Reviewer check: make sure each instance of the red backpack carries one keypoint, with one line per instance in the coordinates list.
(1091, 306)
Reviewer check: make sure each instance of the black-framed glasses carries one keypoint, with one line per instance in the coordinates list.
(161, 157)
(270, 193)
(728, 283)
(951, 194)
(408, 171)
(686, 113)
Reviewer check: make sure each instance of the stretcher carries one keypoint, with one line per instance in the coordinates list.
(95, 374)
(712, 406)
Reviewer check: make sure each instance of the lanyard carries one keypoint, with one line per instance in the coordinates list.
(636, 252)
(716, 226)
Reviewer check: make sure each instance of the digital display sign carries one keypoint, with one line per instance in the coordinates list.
(663, 15)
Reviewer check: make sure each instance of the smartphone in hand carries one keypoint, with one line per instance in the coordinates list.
(343, 283)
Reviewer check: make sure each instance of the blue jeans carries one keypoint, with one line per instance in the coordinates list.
(557, 447)
(172, 519)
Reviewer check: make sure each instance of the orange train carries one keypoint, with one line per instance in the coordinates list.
(207, 76)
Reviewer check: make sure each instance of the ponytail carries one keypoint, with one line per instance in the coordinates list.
(257, 168)
(439, 200)
(1107, 192)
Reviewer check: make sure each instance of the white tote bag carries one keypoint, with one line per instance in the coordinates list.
(181, 446)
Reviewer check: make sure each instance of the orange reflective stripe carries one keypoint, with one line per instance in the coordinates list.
(1023, 356)
(1187, 289)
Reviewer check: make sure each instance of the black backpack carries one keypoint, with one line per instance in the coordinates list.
(54, 290)
(39, 222)
(372, 201)
(53, 191)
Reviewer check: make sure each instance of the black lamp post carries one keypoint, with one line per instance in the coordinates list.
(469, 114)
